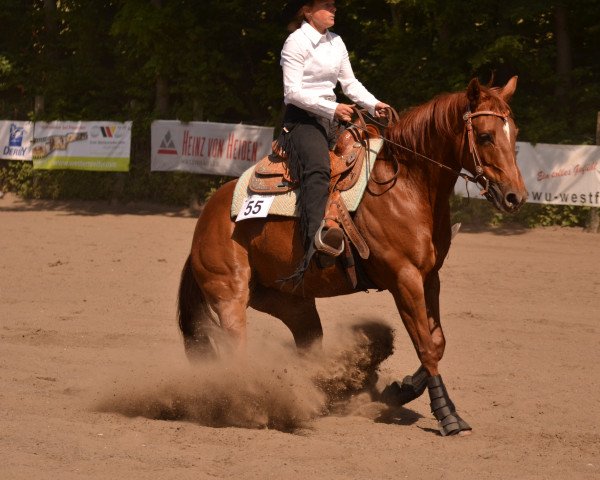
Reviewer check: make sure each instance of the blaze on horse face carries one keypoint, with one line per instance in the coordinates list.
(494, 140)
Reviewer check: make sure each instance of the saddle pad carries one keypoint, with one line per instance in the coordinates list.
(284, 204)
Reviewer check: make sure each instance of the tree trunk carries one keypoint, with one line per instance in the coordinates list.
(162, 96)
(51, 27)
(161, 105)
(50, 18)
(197, 111)
(38, 107)
(396, 15)
(593, 223)
(563, 54)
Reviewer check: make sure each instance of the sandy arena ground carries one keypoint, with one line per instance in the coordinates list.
(94, 382)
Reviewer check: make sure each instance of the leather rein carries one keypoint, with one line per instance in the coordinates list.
(478, 179)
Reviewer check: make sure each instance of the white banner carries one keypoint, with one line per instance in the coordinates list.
(102, 146)
(15, 140)
(206, 147)
(557, 174)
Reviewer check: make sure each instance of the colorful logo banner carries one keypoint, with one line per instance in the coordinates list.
(15, 140)
(94, 146)
(209, 148)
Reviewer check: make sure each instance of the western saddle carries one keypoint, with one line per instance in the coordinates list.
(272, 176)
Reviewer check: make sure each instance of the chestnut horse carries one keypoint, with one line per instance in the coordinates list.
(404, 217)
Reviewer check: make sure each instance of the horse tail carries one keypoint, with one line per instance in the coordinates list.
(196, 320)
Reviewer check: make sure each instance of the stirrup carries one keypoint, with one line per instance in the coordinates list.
(321, 246)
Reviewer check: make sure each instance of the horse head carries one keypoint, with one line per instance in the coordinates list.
(491, 136)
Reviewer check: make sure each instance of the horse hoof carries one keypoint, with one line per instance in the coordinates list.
(411, 387)
(452, 425)
(449, 422)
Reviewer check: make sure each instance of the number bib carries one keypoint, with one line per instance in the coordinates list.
(255, 206)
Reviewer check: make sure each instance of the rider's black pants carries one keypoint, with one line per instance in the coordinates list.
(311, 138)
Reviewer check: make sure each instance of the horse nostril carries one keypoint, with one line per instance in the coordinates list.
(512, 199)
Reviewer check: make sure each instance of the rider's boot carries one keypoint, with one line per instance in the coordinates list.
(329, 238)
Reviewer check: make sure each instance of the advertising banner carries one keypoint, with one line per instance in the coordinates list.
(96, 146)
(209, 148)
(15, 140)
(556, 174)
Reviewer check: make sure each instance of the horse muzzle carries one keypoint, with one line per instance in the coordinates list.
(506, 199)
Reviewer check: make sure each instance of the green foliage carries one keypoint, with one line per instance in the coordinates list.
(562, 215)
(173, 188)
(219, 61)
(480, 212)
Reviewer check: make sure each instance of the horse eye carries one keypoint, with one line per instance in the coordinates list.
(484, 138)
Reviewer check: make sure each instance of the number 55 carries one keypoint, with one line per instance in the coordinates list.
(257, 207)
(254, 207)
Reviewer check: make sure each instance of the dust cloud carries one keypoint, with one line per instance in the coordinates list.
(272, 386)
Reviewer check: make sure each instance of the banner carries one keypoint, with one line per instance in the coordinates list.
(206, 147)
(95, 146)
(15, 140)
(556, 174)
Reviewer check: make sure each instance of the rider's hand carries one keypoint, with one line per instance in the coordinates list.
(344, 112)
(381, 109)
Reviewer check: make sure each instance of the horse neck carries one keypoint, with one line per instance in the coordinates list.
(436, 131)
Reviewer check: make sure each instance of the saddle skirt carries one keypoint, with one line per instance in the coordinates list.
(351, 166)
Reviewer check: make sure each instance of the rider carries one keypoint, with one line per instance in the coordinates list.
(313, 60)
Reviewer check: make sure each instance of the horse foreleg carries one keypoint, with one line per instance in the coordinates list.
(418, 304)
(413, 386)
(297, 313)
(409, 295)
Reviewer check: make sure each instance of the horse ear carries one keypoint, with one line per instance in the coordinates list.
(473, 93)
(507, 91)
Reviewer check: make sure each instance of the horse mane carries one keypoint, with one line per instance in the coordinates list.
(439, 117)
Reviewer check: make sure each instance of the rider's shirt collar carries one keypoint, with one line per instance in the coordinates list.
(313, 35)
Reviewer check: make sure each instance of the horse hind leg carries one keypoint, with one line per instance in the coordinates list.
(299, 314)
(203, 334)
(196, 321)
(204, 337)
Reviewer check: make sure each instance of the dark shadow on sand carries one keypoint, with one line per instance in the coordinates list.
(92, 208)
(398, 415)
(505, 230)
(11, 203)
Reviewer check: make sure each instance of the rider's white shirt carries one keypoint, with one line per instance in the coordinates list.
(312, 65)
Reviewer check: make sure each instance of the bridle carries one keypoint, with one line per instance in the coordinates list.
(467, 117)
(479, 178)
